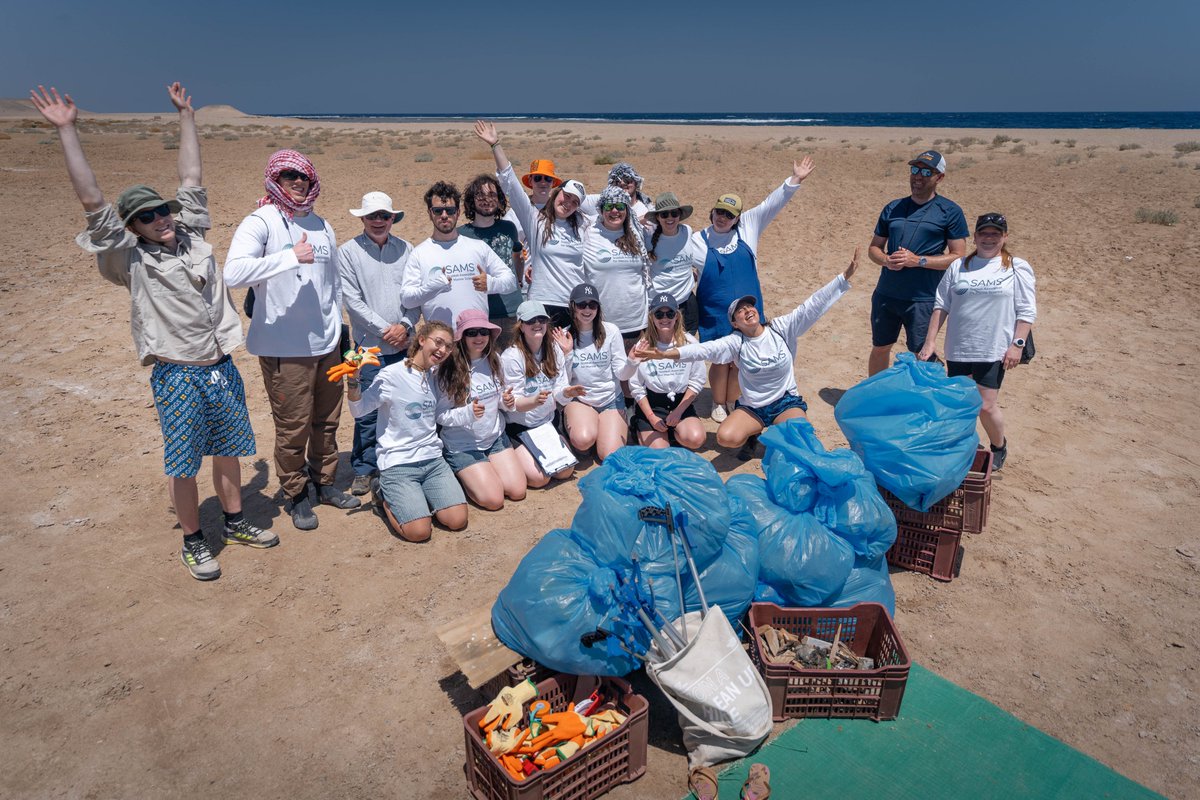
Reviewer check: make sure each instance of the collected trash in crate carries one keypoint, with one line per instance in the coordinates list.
(780, 646)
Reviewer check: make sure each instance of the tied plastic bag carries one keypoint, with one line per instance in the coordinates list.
(838, 489)
(797, 556)
(869, 582)
(914, 429)
(729, 581)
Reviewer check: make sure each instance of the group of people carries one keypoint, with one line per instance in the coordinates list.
(548, 323)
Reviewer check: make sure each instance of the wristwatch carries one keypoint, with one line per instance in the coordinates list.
(922, 261)
(1018, 343)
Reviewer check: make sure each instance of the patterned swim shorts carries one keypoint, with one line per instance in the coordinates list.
(202, 411)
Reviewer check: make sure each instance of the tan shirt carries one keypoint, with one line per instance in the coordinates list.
(180, 309)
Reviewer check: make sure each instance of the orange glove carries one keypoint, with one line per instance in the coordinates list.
(512, 765)
(506, 709)
(564, 727)
(353, 361)
(555, 755)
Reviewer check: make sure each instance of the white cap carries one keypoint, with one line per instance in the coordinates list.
(575, 188)
(376, 201)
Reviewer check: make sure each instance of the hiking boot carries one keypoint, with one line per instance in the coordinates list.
(749, 449)
(199, 560)
(332, 496)
(999, 454)
(719, 414)
(242, 532)
(302, 512)
(361, 485)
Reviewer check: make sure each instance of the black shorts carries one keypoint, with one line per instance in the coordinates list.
(662, 405)
(691, 314)
(985, 373)
(888, 314)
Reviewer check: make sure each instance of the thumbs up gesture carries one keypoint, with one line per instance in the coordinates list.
(477, 408)
(509, 402)
(480, 279)
(303, 250)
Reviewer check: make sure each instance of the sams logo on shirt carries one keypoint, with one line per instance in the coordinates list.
(417, 409)
(456, 271)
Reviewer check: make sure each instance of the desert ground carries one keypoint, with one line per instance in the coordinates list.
(314, 670)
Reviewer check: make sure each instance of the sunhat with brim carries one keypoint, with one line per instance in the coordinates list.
(729, 202)
(664, 300)
(667, 201)
(540, 166)
(733, 307)
(474, 318)
(530, 310)
(140, 198)
(377, 201)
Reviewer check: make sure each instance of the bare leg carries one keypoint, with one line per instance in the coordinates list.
(186, 499)
(737, 428)
(227, 481)
(718, 379)
(511, 474)
(453, 517)
(534, 476)
(482, 484)
(879, 360)
(733, 389)
(613, 433)
(690, 433)
(653, 439)
(583, 425)
(791, 413)
(991, 416)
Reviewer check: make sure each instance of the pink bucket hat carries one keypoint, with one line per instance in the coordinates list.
(474, 318)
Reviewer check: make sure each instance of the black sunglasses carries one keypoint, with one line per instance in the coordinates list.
(380, 216)
(541, 179)
(293, 175)
(720, 212)
(924, 172)
(538, 320)
(149, 215)
(665, 313)
(587, 304)
(471, 333)
(438, 211)
(674, 212)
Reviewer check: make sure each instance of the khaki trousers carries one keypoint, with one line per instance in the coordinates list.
(306, 408)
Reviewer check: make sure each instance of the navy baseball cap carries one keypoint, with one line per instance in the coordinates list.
(584, 291)
(932, 159)
(664, 300)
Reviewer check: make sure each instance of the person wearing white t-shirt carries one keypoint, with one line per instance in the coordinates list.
(663, 389)
(990, 300)
(614, 261)
(449, 273)
(673, 253)
(765, 355)
(621, 176)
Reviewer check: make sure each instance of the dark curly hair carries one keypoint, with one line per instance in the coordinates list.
(444, 190)
(477, 183)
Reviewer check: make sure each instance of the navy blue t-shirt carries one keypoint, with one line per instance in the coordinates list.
(925, 230)
(504, 240)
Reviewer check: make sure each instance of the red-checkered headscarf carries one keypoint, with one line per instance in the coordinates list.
(276, 196)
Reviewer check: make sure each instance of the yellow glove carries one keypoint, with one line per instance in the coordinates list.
(605, 722)
(500, 741)
(506, 709)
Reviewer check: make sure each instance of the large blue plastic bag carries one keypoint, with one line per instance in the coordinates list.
(832, 484)
(914, 429)
(797, 556)
(632, 478)
(557, 594)
(869, 582)
(730, 580)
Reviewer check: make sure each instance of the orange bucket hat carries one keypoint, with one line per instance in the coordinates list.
(540, 166)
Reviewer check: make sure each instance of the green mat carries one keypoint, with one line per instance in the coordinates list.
(946, 743)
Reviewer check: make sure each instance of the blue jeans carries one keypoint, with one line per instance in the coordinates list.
(362, 454)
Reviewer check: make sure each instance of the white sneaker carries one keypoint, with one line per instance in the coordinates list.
(719, 413)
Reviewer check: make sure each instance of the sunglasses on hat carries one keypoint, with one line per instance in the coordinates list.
(150, 214)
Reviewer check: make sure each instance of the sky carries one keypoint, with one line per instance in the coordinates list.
(308, 57)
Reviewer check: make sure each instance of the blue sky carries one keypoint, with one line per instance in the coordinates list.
(475, 57)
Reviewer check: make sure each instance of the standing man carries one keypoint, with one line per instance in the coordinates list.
(183, 322)
(483, 205)
(372, 268)
(448, 273)
(916, 239)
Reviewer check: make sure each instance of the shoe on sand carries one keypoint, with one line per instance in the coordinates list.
(758, 783)
(360, 485)
(242, 532)
(719, 414)
(332, 496)
(199, 560)
(999, 455)
(302, 513)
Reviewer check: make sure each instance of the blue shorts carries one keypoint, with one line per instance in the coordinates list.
(767, 414)
(617, 404)
(417, 490)
(889, 313)
(202, 411)
(465, 458)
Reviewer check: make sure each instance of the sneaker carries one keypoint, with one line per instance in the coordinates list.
(302, 513)
(749, 449)
(999, 454)
(199, 560)
(242, 532)
(719, 413)
(361, 485)
(332, 496)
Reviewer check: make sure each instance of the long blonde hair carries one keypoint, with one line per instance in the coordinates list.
(650, 334)
(1006, 258)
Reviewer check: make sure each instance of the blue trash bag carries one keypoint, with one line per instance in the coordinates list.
(914, 429)
(607, 524)
(869, 582)
(558, 594)
(731, 579)
(765, 593)
(797, 556)
(839, 491)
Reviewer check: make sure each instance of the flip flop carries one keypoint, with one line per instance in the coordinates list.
(758, 783)
(703, 783)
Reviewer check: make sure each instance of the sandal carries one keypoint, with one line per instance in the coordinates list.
(758, 783)
(703, 783)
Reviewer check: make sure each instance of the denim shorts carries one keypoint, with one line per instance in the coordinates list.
(889, 313)
(202, 411)
(618, 404)
(417, 490)
(767, 414)
(465, 458)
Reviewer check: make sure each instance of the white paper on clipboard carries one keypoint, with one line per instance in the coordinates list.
(544, 444)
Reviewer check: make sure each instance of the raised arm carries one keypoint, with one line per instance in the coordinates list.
(62, 115)
(487, 132)
(190, 171)
(755, 220)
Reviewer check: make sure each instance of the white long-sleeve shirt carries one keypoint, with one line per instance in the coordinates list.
(674, 256)
(620, 277)
(557, 265)
(462, 432)
(766, 362)
(439, 278)
(297, 307)
(406, 398)
(512, 364)
(983, 303)
(665, 376)
(599, 370)
(749, 227)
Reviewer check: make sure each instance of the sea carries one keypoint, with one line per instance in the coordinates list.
(987, 119)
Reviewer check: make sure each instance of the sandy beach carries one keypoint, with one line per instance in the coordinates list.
(313, 669)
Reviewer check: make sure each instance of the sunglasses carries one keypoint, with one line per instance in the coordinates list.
(541, 179)
(471, 333)
(720, 212)
(613, 207)
(293, 175)
(924, 172)
(587, 304)
(538, 320)
(380, 216)
(671, 214)
(438, 211)
(149, 215)
(665, 313)
(996, 220)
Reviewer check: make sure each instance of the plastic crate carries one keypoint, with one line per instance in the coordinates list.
(619, 757)
(868, 630)
(936, 552)
(525, 668)
(965, 510)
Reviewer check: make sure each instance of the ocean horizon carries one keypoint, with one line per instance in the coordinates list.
(1183, 120)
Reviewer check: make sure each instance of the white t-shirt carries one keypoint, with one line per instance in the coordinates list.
(749, 227)
(983, 303)
(591, 207)
(512, 364)
(765, 362)
(598, 370)
(462, 432)
(671, 271)
(406, 399)
(619, 277)
(439, 278)
(666, 376)
(557, 265)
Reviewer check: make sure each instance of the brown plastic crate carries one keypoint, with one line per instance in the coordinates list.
(868, 630)
(963, 510)
(525, 668)
(936, 552)
(619, 757)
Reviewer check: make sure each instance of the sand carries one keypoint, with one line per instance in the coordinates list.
(313, 670)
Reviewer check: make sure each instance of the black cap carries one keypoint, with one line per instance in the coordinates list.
(664, 300)
(584, 291)
(992, 220)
